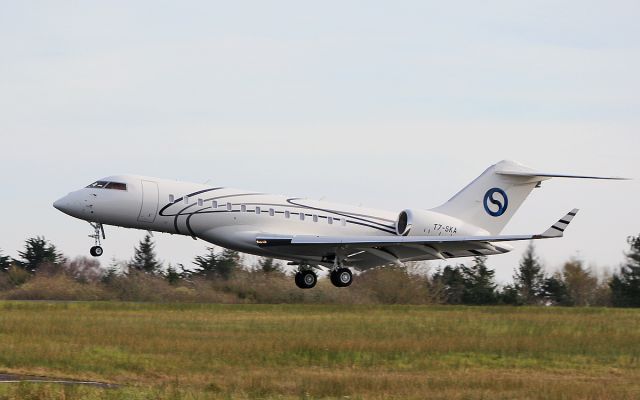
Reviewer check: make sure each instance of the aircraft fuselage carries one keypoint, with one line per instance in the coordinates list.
(233, 218)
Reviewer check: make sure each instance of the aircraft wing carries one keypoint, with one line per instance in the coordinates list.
(385, 249)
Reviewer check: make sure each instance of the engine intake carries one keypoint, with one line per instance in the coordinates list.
(417, 222)
(404, 223)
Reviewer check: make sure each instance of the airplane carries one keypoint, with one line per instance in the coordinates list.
(314, 234)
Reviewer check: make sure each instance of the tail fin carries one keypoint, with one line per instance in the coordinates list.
(493, 198)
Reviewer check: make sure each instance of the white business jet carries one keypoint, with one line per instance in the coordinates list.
(316, 234)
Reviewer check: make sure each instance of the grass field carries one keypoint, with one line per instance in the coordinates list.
(173, 351)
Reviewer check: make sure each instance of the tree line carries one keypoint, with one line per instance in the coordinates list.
(224, 276)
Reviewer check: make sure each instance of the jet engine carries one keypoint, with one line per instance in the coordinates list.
(414, 222)
(426, 223)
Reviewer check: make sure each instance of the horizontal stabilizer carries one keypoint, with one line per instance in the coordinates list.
(551, 175)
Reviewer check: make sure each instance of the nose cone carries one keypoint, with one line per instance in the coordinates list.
(66, 205)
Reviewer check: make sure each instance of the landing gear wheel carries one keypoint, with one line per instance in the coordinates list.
(298, 279)
(345, 277)
(333, 277)
(96, 251)
(98, 231)
(306, 279)
(341, 277)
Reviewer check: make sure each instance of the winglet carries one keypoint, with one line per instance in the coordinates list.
(557, 229)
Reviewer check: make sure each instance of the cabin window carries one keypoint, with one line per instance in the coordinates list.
(200, 202)
(214, 204)
(258, 210)
(186, 199)
(229, 207)
(330, 220)
(171, 198)
(344, 222)
(272, 212)
(315, 218)
(287, 214)
(243, 208)
(301, 216)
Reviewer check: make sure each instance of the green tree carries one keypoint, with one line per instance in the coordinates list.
(554, 290)
(113, 271)
(109, 275)
(478, 281)
(5, 262)
(38, 251)
(144, 257)
(268, 265)
(217, 265)
(580, 282)
(625, 285)
(602, 295)
(529, 277)
(509, 295)
(452, 281)
(207, 264)
(174, 275)
(228, 262)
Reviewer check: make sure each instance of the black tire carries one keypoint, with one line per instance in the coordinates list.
(333, 277)
(96, 251)
(306, 279)
(298, 279)
(309, 279)
(344, 277)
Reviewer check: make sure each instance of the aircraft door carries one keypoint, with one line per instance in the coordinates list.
(149, 207)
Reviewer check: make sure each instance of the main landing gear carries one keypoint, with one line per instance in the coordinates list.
(98, 232)
(340, 276)
(306, 278)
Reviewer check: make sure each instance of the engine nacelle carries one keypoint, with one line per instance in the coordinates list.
(408, 219)
(426, 223)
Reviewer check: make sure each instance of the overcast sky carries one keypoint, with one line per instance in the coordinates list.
(386, 104)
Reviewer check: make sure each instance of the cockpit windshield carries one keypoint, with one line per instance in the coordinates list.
(108, 185)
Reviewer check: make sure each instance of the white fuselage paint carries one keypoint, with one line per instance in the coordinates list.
(230, 218)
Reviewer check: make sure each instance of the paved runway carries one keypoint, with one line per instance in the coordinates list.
(11, 378)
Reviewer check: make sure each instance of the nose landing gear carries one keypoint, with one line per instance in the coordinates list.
(96, 251)
(98, 232)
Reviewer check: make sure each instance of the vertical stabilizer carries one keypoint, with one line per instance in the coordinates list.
(493, 198)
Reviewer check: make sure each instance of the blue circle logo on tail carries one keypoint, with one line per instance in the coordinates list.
(495, 197)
